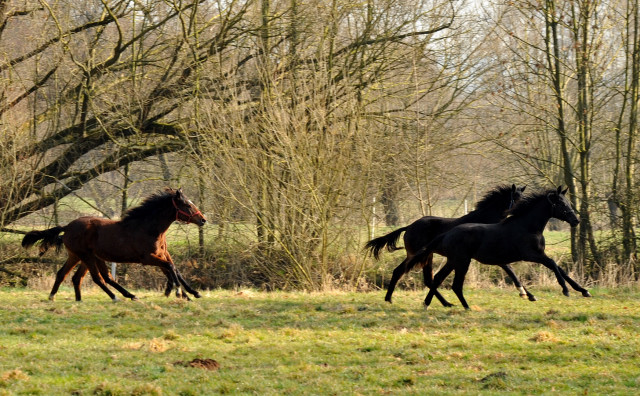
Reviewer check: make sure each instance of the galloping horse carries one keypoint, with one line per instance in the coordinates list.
(139, 237)
(516, 238)
(491, 208)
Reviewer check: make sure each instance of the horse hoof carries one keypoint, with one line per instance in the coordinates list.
(586, 294)
(51, 297)
(532, 298)
(134, 298)
(115, 299)
(566, 293)
(197, 295)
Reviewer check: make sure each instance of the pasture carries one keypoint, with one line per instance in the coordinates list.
(319, 343)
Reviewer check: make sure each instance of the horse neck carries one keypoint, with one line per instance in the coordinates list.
(161, 224)
(485, 216)
(537, 218)
(157, 225)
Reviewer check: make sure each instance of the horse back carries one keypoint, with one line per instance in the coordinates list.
(463, 240)
(80, 234)
(109, 240)
(422, 231)
(495, 244)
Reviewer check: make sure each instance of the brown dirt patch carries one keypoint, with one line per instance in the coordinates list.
(207, 364)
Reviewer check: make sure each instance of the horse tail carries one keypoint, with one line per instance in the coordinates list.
(390, 240)
(422, 254)
(50, 238)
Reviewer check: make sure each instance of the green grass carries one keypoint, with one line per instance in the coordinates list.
(320, 343)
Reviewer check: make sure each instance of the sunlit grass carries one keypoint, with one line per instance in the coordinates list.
(320, 343)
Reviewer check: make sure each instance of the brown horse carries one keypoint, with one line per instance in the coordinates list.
(139, 237)
(104, 271)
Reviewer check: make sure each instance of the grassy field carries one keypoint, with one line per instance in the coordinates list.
(320, 343)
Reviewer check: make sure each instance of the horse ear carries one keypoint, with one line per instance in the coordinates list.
(179, 192)
(559, 189)
(523, 187)
(513, 188)
(565, 191)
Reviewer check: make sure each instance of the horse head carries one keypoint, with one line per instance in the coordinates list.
(186, 211)
(516, 194)
(561, 207)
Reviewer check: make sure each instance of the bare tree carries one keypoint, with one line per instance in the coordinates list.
(93, 115)
(556, 78)
(624, 191)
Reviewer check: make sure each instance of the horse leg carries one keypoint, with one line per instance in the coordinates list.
(71, 262)
(184, 283)
(166, 266)
(167, 256)
(106, 275)
(427, 271)
(167, 290)
(397, 274)
(427, 275)
(77, 280)
(523, 291)
(90, 262)
(576, 286)
(437, 280)
(186, 287)
(458, 282)
(549, 263)
(169, 287)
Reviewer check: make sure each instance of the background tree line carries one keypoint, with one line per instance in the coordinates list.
(302, 127)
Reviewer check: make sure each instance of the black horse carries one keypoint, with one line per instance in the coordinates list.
(491, 208)
(516, 238)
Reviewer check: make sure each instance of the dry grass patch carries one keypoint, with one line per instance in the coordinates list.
(544, 336)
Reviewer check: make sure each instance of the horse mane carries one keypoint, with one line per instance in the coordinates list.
(149, 207)
(525, 204)
(494, 197)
